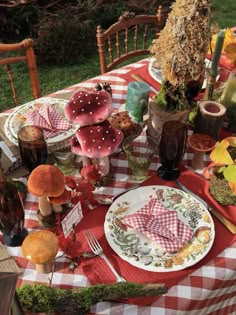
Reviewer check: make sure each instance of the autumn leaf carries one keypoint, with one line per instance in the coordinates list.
(230, 173)
(229, 38)
(220, 154)
(90, 172)
(232, 141)
(233, 187)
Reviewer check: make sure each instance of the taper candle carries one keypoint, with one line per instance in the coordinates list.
(217, 53)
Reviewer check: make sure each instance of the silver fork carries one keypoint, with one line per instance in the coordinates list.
(97, 250)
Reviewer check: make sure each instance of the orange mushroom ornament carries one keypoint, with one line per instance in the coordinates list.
(41, 247)
(47, 182)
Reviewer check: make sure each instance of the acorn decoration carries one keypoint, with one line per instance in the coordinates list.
(106, 86)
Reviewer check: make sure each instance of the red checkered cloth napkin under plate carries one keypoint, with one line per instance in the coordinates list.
(161, 225)
(47, 118)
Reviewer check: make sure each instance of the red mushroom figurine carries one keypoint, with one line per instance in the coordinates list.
(96, 139)
(96, 143)
(88, 108)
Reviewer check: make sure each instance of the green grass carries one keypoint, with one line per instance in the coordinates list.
(54, 78)
(224, 13)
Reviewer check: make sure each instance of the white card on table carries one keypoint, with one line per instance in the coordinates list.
(72, 219)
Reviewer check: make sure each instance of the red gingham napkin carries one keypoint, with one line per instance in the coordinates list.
(161, 225)
(47, 118)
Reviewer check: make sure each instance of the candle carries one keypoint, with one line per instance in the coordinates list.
(137, 99)
(217, 53)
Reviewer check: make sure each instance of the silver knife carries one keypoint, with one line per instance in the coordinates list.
(229, 225)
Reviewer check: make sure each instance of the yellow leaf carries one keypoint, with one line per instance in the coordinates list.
(220, 153)
(231, 140)
(230, 52)
(229, 38)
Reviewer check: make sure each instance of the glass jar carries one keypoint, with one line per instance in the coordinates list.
(228, 99)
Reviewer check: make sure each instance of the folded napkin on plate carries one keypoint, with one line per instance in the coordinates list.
(47, 118)
(161, 225)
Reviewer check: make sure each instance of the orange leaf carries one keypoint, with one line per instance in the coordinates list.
(233, 187)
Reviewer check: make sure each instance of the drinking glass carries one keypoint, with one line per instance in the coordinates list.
(32, 146)
(171, 149)
(228, 99)
(139, 151)
(11, 215)
(65, 160)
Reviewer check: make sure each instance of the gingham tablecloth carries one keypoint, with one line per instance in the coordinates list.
(208, 290)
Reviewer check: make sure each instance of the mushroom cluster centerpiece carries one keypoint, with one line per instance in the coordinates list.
(95, 139)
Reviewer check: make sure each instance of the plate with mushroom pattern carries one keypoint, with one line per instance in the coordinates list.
(142, 252)
(18, 119)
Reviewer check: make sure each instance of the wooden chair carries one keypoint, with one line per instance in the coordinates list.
(128, 37)
(23, 52)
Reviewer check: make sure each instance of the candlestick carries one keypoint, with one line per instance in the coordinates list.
(217, 53)
(211, 80)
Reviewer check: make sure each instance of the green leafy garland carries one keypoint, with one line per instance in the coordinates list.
(43, 299)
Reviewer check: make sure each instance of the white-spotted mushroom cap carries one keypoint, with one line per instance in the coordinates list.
(96, 141)
(88, 108)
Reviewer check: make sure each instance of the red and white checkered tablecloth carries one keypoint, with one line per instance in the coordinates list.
(210, 289)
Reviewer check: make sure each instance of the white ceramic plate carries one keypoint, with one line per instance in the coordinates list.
(17, 119)
(8, 131)
(156, 74)
(146, 254)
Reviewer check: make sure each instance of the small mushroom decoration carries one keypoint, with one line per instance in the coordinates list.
(41, 247)
(200, 143)
(48, 183)
(95, 139)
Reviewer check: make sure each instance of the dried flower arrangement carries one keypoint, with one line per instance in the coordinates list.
(180, 52)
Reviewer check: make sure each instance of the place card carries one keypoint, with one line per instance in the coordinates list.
(72, 219)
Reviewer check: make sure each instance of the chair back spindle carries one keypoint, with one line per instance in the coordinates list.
(26, 54)
(129, 37)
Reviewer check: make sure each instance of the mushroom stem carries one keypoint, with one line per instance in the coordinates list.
(103, 164)
(198, 160)
(57, 208)
(44, 268)
(44, 206)
(86, 160)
